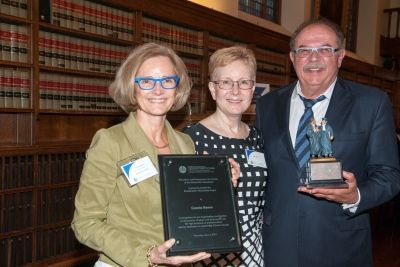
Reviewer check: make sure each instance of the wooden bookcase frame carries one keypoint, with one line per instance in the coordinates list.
(31, 137)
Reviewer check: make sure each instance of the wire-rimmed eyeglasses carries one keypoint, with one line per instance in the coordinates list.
(325, 51)
(244, 84)
(148, 83)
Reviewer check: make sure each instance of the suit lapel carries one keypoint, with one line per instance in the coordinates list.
(283, 121)
(338, 109)
(339, 105)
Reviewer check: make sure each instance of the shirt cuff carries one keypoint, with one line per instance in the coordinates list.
(352, 207)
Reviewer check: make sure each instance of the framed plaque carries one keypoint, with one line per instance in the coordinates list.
(199, 207)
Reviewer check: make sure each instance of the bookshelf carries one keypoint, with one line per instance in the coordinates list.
(58, 57)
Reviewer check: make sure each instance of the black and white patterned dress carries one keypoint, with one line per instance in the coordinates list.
(250, 192)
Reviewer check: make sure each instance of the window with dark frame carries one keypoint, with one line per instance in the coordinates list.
(343, 13)
(266, 9)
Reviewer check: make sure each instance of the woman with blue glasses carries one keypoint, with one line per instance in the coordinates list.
(118, 211)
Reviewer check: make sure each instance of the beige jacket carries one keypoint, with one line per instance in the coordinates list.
(119, 221)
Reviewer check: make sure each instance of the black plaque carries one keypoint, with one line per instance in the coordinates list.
(199, 207)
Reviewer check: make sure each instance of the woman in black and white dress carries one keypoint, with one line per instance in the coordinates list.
(232, 82)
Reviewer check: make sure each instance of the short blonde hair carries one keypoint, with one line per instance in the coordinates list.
(122, 88)
(225, 56)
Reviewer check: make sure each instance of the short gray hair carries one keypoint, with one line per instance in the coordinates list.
(318, 21)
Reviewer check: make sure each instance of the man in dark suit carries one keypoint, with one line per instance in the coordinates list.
(325, 226)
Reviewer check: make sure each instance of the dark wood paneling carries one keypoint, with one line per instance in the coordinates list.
(16, 128)
(71, 128)
(53, 143)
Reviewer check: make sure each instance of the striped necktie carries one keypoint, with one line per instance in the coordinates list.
(302, 146)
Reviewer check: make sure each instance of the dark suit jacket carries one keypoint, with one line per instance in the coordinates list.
(300, 230)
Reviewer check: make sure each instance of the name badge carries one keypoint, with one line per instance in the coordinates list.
(138, 170)
(255, 158)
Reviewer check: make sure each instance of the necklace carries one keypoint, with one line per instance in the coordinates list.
(161, 147)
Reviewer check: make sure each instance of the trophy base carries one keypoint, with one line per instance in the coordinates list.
(324, 172)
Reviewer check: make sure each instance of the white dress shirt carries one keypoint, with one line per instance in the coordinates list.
(297, 109)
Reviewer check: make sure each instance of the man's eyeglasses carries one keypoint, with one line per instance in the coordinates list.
(228, 84)
(325, 51)
(148, 83)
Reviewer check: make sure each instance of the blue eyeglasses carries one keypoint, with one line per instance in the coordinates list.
(148, 83)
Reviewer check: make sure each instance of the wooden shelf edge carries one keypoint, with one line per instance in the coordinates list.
(14, 64)
(14, 19)
(40, 148)
(81, 113)
(16, 110)
(69, 259)
(82, 34)
(76, 72)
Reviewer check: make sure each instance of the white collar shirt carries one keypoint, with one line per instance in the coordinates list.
(297, 109)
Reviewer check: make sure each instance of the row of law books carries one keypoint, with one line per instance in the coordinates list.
(179, 38)
(64, 92)
(195, 99)
(274, 80)
(55, 240)
(15, 87)
(55, 204)
(194, 69)
(59, 168)
(16, 250)
(215, 43)
(89, 16)
(56, 168)
(265, 57)
(264, 66)
(17, 171)
(52, 206)
(14, 43)
(16, 211)
(62, 51)
(17, 8)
